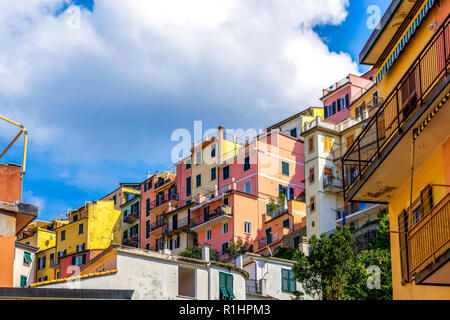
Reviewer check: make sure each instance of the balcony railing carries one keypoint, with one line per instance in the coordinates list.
(167, 197)
(180, 223)
(409, 93)
(130, 218)
(332, 183)
(131, 240)
(277, 212)
(218, 212)
(254, 286)
(430, 236)
(159, 224)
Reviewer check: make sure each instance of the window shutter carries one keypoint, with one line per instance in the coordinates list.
(333, 108)
(339, 105)
(83, 261)
(74, 262)
(403, 237)
(347, 100)
(426, 198)
(325, 109)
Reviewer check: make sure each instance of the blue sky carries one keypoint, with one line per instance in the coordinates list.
(101, 101)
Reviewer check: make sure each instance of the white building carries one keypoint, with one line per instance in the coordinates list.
(325, 144)
(158, 276)
(24, 264)
(270, 278)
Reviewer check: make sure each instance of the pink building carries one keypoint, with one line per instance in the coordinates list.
(338, 97)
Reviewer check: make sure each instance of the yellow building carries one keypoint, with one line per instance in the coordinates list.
(206, 155)
(42, 235)
(402, 157)
(90, 227)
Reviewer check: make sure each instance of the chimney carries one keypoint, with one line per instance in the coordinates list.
(205, 253)
(233, 184)
(166, 249)
(216, 191)
(220, 144)
(240, 262)
(148, 174)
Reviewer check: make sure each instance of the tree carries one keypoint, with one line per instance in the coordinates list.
(323, 272)
(236, 248)
(379, 257)
(284, 253)
(195, 252)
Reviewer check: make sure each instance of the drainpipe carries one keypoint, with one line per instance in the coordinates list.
(412, 174)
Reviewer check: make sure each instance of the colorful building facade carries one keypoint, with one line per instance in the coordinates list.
(402, 156)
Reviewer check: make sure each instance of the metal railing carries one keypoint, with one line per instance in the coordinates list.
(430, 236)
(329, 182)
(217, 212)
(409, 93)
(254, 286)
(180, 223)
(166, 198)
(275, 213)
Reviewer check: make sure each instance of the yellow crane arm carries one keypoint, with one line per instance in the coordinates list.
(22, 131)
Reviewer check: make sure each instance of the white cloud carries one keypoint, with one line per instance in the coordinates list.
(114, 89)
(29, 197)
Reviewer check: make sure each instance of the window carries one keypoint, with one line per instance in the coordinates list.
(226, 286)
(198, 158)
(225, 201)
(147, 229)
(79, 260)
(248, 187)
(75, 218)
(188, 186)
(186, 282)
(285, 168)
(188, 164)
(115, 200)
(213, 174)
(147, 246)
(23, 281)
(311, 204)
(350, 140)
(213, 151)
(81, 247)
(81, 228)
(177, 242)
(311, 175)
(27, 258)
(63, 235)
(327, 143)
(313, 224)
(288, 191)
(198, 180)
(311, 144)
(288, 283)
(41, 262)
(225, 228)
(247, 164)
(208, 235)
(226, 172)
(343, 102)
(225, 247)
(268, 211)
(147, 207)
(286, 223)
(247, 227)
(294, 132)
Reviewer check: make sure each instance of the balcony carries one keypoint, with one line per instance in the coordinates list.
(131, 241)
(131, 218)
(371, 165)
(179, 224)
(218, 215)
(429, 244)
(277, 212)
(331, 184)
(54, 264)
(162, 203)
(254, 287)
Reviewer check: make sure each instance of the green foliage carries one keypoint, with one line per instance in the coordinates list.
(285, 253)
(236, 248)
(276, 203)
(333, 272)
(323, 271)
(195, 252)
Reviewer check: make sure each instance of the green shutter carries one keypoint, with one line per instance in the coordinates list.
(223, 284)
(230, 286)
(74, 262)
(27, 257)
(288, 283)
(284, 281)
(23, 281)
(83, 261)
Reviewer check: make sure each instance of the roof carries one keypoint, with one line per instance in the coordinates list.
(25, 213)
(84, 276)
(273, 259)
(396, 17)
(291, 118)
(26, 246)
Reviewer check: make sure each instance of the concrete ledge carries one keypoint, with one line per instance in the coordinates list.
(66, 294)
